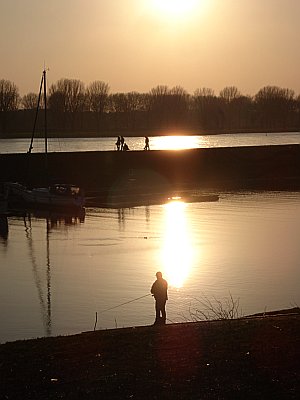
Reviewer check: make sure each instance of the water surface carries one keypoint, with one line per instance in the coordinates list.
(56, 273)
(156, 142)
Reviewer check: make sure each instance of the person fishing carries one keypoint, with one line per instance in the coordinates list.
(159, 290)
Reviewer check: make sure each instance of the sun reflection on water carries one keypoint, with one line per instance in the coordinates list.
(177, 251)
(176, 142)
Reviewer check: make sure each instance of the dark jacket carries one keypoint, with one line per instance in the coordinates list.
(159, 290)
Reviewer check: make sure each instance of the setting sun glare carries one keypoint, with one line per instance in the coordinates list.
(175, 10)
(175, 7)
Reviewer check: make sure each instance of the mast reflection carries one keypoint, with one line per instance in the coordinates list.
(45, 304)
(53, 221)
(57, 221)
(177, 252)
(3, 228)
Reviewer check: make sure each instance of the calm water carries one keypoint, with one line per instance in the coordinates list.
(56, 274)
(156, 142)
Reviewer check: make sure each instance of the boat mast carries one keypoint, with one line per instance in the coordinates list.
(36, 115)
(33, 130)
(45, 122)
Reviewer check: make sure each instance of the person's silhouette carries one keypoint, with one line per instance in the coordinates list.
(147, 147)
(159, 290)
(118, 143)
(122, 142)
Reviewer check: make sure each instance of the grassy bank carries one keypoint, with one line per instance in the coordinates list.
(252, 358)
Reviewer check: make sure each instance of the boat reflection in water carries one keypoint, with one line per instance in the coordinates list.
(58, 220)
(3, 228)
(177, 252)
(42, 271)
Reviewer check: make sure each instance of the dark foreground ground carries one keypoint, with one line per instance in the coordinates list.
(250, 358)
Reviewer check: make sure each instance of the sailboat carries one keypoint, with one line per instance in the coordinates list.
(62, 196)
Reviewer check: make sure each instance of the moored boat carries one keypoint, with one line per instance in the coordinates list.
(60, 195)
(64, 196)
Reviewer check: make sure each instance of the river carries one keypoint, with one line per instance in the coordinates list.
(56, 272)
(156, 142)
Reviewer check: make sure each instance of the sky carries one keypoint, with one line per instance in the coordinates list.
(135, 45)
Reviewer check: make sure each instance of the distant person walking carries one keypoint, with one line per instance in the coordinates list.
(147, 147)
(122, 142)
(118, 143)
(125, 147)
(159, 290)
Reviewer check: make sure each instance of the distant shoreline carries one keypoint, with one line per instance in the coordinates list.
(140, 133)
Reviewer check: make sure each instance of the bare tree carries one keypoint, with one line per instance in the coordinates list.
(67, 100)
(97, 93)
(205, 107)
(72, 92)
(127, 106)
(229, 93)
(242, 110)
(160, 106)
(275, 106)
(9, 101)
(29, 101)
(178, 106)
(97, 97)
(204, 92)
(228, 97)
(160, 91)
(9, 96)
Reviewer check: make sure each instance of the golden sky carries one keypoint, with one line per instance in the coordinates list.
(139, 44)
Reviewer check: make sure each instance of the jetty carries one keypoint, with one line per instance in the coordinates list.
(110, 173)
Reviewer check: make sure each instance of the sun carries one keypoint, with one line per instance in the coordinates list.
(178, 12)
(175, 8)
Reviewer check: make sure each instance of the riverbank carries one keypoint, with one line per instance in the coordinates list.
(252, 358)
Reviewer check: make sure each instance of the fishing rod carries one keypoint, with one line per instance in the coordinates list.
(119, 305)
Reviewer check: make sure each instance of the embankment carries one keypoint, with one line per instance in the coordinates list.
(263, 167)
(251, 358)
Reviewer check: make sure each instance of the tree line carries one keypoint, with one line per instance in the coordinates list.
(74, 107)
